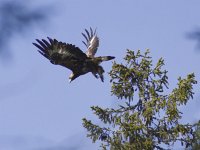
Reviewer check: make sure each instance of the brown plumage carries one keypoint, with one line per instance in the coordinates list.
(72, 57)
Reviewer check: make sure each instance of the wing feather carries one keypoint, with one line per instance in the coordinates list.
(91, 31)
(84, 43)
(41, 43)
(92, 42)
(60, 53)
(46, 43)
(85, 37)
(50, 40)
(88, 34)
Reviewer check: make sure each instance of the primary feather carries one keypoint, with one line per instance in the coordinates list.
(71, 57)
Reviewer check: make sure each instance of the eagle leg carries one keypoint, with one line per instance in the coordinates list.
(100, 72)
(101, 77)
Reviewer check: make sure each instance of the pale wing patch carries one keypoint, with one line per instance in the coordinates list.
(92, 42)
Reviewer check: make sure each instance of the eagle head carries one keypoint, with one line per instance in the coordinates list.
(73, 76)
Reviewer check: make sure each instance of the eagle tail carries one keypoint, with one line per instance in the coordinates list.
(106, 58)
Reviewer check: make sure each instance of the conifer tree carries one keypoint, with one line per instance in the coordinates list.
(149, 117)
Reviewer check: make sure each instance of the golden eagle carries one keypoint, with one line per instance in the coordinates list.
(71, 57)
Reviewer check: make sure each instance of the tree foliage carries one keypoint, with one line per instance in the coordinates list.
(150, 116)
(196, 144)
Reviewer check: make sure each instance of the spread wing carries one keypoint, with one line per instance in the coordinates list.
(92, 42)
(60, 53)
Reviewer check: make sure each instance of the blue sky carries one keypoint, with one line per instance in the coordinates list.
(39, 108)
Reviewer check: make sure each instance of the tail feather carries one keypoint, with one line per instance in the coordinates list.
(106, 58)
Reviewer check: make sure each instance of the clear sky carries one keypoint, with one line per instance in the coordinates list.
(40, 110)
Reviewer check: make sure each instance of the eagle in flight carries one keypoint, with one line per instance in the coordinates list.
(71, 57)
